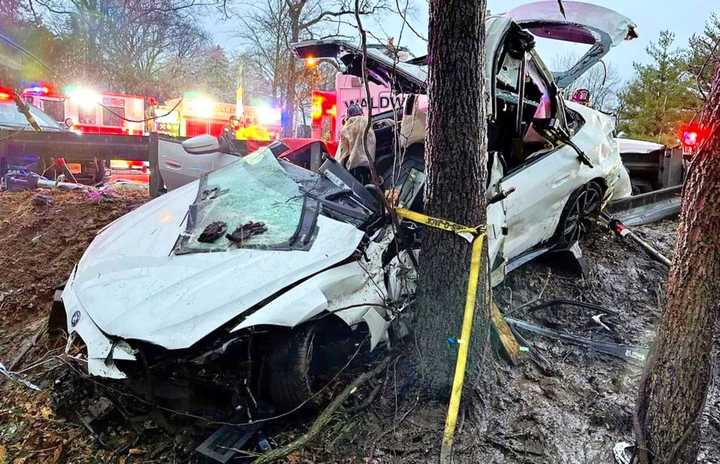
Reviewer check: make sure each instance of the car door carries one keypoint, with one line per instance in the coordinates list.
(542, 183)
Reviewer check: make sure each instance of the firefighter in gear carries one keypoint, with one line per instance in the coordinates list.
(351, 151)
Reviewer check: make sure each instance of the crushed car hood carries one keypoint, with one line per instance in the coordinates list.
(583, 23)
(132, 286)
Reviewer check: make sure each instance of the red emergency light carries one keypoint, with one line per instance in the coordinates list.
(323, 104)
(692, 136)
(6, 94)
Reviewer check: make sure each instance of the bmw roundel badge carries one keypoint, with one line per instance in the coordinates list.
(75, 318)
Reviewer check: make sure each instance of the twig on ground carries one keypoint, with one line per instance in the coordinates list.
(323, 418)
(27, 346)
(368, 401)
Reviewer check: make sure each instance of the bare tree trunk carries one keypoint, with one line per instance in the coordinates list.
(455, 160)
(291, 82)
(289, 108)
(674, 386)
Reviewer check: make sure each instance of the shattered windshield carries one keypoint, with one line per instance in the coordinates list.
(251, 203)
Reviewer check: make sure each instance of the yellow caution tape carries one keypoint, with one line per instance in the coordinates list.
(478, 240)
(436, 223)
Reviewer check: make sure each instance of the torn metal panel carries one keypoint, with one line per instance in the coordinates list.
(354, 292)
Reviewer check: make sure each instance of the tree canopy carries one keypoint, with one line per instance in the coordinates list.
(661, 96)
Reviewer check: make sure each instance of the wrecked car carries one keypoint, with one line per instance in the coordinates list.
(555, 163)
(253, 283)
(260, 278)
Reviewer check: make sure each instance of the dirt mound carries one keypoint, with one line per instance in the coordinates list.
(42, 236)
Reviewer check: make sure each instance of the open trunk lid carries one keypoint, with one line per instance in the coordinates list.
(583, 23)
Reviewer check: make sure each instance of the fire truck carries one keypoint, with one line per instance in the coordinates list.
(329, 107)
(197, 114)
(87, 111)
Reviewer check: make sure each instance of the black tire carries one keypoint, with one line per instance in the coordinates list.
(577, 216)
(304, 361)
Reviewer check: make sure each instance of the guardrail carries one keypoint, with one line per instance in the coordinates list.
(75, 147)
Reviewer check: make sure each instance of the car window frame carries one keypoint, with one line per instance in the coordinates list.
(558, 111)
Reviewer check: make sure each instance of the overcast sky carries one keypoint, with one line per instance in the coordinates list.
(651, 16)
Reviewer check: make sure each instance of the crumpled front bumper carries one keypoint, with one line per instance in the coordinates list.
(102, 351)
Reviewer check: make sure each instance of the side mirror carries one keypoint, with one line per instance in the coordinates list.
(201, 145)
(68, 123)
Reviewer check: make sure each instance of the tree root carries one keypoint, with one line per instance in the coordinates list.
(323, 418)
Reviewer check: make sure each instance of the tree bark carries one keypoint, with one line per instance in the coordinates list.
(675, 384)
(455, 161)
(289, 106)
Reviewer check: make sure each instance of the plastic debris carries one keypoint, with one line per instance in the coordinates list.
(16, 378)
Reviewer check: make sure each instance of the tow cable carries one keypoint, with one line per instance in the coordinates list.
(623, 232)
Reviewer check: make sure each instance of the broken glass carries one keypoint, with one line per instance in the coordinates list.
(254, 189)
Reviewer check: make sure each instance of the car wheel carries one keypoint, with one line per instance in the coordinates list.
(577, 217)
(305, 361)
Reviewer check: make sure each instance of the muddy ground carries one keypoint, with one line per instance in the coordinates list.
(573, 411)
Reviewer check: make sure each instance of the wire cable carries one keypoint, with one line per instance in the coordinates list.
(141, 120)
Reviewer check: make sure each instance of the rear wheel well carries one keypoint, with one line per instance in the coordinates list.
(595, 189)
